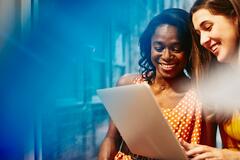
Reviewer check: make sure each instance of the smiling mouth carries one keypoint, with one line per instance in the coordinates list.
(214, 48)
(167, 66)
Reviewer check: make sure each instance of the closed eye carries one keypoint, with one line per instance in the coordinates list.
(207, 26)
(198, 32)
(176, 50)
(159, 48)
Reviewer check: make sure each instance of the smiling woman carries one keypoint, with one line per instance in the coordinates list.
(165, 47)
(216, 28)
(210, 28)
(167, 55)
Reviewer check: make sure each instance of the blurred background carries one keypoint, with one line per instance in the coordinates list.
(54, 55)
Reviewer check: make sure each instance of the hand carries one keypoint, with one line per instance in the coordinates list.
(200, 152)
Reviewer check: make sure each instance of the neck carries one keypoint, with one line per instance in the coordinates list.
(179, 84)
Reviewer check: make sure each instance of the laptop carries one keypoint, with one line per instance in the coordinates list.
(136, 113)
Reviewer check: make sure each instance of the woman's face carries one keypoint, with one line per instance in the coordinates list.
(167, 54)
(217, 33)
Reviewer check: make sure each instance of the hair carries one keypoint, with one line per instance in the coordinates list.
(175, 17)
(201, 58)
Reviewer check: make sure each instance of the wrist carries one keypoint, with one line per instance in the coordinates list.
(228, 154)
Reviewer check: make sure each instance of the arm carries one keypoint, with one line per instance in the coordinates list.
(112, 141)
(209, 128)
(208, 138)
(110, 144)
(202, 152)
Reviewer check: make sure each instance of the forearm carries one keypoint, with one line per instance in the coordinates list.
(230, 155)
(209, 129)
(108, 149)
(110, 144)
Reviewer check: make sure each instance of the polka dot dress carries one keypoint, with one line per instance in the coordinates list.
(185, 120)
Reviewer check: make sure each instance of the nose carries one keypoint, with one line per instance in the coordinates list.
(204, 38)
(166, 54)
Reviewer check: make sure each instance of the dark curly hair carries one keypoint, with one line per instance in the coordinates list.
(175, 17)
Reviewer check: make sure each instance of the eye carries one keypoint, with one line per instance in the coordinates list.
(207, 27)
(176, 49)
(159, 48)
(198, 32)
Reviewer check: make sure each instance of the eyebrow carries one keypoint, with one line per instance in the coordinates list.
(157, 42)
(161, 43)
(202, 25)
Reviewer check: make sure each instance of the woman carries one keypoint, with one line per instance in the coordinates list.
(165, 48)
(216, 27)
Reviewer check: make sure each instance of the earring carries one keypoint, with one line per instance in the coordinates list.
(186, 73)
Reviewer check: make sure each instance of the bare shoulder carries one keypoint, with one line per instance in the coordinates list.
(127, 79)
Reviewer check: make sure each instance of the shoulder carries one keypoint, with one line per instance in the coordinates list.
(128, 79)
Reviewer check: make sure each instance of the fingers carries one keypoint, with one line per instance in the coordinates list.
(205, 153)
(205, 156)
(185, 145)
(198, 150)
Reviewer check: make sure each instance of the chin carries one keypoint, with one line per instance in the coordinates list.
(223, 59)
(227, 56)
(168, 76)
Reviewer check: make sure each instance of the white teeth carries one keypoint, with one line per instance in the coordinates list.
(167, 66)
(214, 47)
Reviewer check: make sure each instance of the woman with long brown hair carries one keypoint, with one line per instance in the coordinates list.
(216, 28)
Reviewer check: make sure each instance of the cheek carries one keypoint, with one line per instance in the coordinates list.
(233, 38)
(228, 33)
(230, 41)
(182, 58)
(154, 55)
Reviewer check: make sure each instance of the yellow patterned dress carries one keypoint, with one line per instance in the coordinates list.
(185, 120)
(230, 132)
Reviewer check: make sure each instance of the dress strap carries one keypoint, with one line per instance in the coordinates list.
(121, 146)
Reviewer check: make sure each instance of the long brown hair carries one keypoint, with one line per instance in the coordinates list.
(202, 59)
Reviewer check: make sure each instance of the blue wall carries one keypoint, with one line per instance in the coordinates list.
(49, 77)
